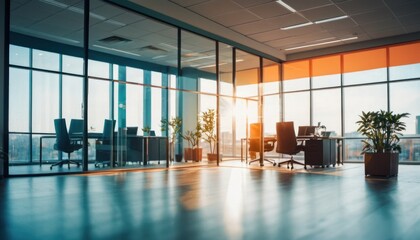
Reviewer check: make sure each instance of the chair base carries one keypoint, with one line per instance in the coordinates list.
(262, 164)
(68, 162)
(291, 161)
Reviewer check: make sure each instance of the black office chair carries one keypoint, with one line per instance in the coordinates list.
(104, 144)
(287, 143)
(64, 143)
(254, 142)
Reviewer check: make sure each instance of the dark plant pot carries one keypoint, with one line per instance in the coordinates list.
(178, 157)
(381, 164)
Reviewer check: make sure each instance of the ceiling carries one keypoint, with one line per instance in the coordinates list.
(262, 20)
(254, 23)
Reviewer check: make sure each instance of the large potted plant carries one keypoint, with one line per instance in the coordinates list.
(193, 151)
(381, 148)
(209, 132)
(175, 125)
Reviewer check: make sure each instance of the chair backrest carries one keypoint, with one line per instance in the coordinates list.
(132, 130)
(62, 136)
(286, 138)
(254, 137)
(76, 126)
(109, 126)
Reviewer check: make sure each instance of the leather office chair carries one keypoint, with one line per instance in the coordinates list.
(287, 143)
(104, 144)
(254, 143)
(64, 143)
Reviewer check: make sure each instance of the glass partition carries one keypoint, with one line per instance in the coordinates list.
(198, 95)
(45, 83)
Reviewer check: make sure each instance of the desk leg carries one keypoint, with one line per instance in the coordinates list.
(40, 151)
(339, 145)
(242, 150)
(146, 151)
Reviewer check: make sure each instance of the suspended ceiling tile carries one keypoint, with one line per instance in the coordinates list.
(149, 25)
(285, 41)
(268, 10)
(214, 8)
(187, 3)
(381, 25)
(321, 13)
(360, 6)
(409, 20)
(406, 9)
(301, 5)
(108, 11)
(235, 18)
(385, 33)
(129, 32)
(344, 33)
(311, 29)
(270, 35)
(251, 3)
(255, 27)
(128, 18)
(340, 24)
(287, 20)
(372, 16)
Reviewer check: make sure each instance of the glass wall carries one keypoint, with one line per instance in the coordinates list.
(142, 72)
(44, 84)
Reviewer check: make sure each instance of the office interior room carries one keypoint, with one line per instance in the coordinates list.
(127, 84)
(134, 66)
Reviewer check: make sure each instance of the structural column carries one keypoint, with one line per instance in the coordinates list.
(4, 86)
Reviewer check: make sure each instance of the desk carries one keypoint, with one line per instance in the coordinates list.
(132, 148)
(320, 152)
(246, 140)
(339, 144)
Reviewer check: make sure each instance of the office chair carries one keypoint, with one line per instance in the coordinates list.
(287, 143)
(64, 144)
(104, 144)
(254, 142)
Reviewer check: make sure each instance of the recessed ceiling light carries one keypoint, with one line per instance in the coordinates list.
(297, 26)
(331, 19)
(323, 43)
(286, 6)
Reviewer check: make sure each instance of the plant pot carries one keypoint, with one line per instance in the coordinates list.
(187, 154)
(194, 154)
(178, 157)
(197, 154)
(211, 157)
(381, 164)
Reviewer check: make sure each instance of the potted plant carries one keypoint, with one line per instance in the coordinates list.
(146, 130)
(381, 148)
(209, 132)
(193, 137)
(175, 125)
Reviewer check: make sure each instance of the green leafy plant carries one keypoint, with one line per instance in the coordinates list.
(382, 130)
(209, 128)
(174, 124)
(146, 130)
(193, 136)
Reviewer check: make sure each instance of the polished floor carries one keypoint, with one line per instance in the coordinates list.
(234, 201)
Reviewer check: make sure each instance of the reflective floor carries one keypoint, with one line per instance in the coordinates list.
(234, 201)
